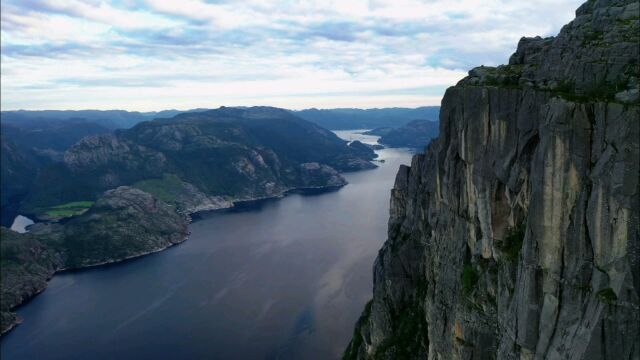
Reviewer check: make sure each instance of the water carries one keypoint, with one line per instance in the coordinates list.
(351, 135)
(20, 224)
(277, 279)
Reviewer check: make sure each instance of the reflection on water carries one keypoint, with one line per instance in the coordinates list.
(277, 279)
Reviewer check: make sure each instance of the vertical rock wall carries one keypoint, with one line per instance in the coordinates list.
(516, 234)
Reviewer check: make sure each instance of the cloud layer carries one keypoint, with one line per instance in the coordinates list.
(154, 54)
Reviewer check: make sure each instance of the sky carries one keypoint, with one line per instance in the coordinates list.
(149, 55)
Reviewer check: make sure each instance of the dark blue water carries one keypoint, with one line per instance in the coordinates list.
(279, 279)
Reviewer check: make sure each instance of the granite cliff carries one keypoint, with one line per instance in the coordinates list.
(516, 234)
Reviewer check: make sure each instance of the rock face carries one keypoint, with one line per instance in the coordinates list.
(123, 223)
(516, 234)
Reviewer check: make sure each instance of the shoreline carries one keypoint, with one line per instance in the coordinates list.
(188, 216)
(198, 214)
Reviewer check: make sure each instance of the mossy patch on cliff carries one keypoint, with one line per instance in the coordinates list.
(512, 243)
(607, 296)
(469, 279)
(409, 335)
(600, 91)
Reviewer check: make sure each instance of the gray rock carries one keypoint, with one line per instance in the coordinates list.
(516, 235)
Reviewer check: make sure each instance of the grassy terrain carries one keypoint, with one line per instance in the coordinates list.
(68, 209)
(164, 189)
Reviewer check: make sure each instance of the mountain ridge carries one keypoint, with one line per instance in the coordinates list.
(231, 153)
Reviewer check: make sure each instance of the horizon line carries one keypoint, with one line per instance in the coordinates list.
(219, 107)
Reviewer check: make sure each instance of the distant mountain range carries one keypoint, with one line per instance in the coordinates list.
(194, 160)
(333, 119)
(415, 134)
(111, 119)
(36, 141)
(344, 119)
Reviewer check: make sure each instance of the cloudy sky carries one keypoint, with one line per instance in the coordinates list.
(155, 54)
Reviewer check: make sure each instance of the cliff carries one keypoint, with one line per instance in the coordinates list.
(516, 234)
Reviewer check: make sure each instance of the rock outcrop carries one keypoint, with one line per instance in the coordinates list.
(516, 234)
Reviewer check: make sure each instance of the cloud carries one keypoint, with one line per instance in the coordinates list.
(151, 54)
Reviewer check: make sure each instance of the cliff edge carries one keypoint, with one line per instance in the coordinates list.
(516, 234)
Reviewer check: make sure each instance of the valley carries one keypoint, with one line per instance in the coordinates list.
(269, 279)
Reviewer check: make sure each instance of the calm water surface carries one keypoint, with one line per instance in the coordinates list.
(277, 279)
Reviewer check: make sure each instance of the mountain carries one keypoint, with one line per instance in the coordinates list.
(51, 138)
(217, 156)
(515, 235)
(170, 168)
(121, 119)
(25, 151)
(110, 119)
(415, 134)
(20, 167)
(122, 224)
(341, 119)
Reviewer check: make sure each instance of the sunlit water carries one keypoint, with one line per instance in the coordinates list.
(277, 279)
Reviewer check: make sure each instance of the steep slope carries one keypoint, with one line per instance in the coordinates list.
(516, 234)
(20, 167)
(218, 156)
(122, 224)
